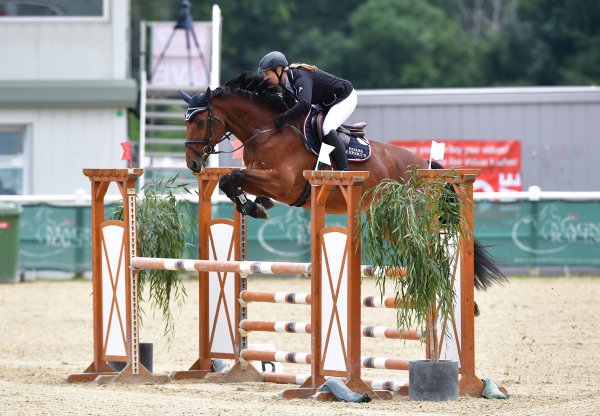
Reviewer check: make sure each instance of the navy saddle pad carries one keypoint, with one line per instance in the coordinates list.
(358, 147)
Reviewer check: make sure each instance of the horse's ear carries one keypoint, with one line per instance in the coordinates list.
(208, 92)
(186, 97)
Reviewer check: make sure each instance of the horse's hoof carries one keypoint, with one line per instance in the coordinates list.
(476, 307)
(261, 212)
(252, 209)
(265, 201)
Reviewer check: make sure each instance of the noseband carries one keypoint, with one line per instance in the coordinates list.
(208, 149)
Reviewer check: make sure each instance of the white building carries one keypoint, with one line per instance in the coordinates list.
(65, 87)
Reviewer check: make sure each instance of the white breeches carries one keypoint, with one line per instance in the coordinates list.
(339, 113)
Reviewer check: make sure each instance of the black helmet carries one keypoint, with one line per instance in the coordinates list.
(271, 61)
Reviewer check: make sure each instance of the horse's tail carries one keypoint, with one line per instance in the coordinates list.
(487, 271)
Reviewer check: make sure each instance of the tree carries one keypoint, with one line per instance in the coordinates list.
(550, 43)
(402, 43)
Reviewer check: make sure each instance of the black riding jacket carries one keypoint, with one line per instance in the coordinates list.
(309, 88)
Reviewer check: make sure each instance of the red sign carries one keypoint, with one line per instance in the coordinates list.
(499, 160)
(4, 225)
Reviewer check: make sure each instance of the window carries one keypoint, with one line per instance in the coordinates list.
(52, 8)
(13, 178)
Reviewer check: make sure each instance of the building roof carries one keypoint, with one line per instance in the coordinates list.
(68, 93)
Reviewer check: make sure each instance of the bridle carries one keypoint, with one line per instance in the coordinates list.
(208, 149)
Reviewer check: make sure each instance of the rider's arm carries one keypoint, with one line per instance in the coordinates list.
(303, 86)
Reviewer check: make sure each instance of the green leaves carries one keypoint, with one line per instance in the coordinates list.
(414, 225)
(161, 230)
(405, 43)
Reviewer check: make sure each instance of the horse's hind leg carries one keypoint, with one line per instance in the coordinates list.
(231, 185)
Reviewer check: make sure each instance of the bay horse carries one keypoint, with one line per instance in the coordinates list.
(246, 106)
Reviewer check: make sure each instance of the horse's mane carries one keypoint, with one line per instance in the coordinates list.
(254, 84)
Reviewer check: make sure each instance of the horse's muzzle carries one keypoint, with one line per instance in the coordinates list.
(196, 167)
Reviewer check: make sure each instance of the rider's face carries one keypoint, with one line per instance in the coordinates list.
(271, 76)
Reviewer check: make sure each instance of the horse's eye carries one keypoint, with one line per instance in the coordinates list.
(200, 123)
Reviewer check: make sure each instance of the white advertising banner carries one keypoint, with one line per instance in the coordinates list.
(175, 69)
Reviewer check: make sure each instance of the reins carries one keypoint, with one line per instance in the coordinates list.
(209, 149)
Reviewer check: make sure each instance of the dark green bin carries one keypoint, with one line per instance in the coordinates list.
(9, 242)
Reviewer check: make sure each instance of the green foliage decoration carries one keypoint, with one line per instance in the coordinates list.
(414, 225)
(161, 230)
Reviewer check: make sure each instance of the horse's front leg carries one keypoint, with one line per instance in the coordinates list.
(231, 185)
(252, 180)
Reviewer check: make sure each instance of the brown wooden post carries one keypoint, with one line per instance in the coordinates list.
(349, 184)
(202, 367)
(470, 384)
(319, 195)
(354, 380)
(98, 191)
(99, 370)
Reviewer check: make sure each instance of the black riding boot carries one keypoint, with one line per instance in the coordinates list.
(339, 152)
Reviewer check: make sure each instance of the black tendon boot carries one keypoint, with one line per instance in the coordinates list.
(339, 152)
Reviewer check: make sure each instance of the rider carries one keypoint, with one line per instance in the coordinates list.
(310, 85)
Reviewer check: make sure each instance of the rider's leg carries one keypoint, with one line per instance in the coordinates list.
(334, 118)
(339, 150)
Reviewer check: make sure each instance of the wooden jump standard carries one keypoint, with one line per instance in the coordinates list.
(237, 341)
(469, 384)
(115, 301)
(335, 272)
(460, 343)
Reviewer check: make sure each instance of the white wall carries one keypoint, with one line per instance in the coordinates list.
(557, 126)
(61, 141)
(89, 48)
(64, 141)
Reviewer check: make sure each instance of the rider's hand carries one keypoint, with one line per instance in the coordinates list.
(279, 122)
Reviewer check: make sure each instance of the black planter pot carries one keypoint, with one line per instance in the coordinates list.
(146, 354)
(433, 380)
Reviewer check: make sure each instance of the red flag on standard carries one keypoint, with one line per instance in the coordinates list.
(127, 153)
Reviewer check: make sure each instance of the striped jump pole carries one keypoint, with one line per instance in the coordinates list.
(289, 327)
(306, 358)
(242, 267)
(248, 296)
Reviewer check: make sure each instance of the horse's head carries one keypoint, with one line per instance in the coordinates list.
(204, 130)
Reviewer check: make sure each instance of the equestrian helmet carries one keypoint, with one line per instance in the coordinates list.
(271, 61)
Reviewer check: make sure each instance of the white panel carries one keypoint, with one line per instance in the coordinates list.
(91, 134)
(113, 239)
(334, 244)
(449, 349)
(54, 49)
(222, 235)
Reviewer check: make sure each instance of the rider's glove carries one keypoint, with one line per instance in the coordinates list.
(279, 122)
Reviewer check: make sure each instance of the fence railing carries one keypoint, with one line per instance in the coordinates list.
(523, 230)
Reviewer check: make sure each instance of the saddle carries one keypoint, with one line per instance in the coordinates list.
(357, 145)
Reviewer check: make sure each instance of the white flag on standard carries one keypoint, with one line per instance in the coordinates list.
(324, 154)
(437, 150)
